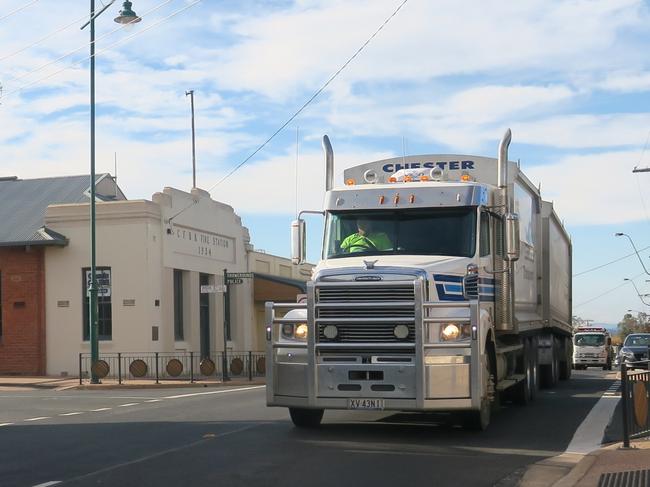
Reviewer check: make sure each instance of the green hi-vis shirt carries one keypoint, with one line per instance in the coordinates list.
(362, 243)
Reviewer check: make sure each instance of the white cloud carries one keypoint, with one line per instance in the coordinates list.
(593, 189)
(626, 82)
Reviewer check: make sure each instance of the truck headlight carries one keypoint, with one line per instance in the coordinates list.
(452, 331)
(293, 331)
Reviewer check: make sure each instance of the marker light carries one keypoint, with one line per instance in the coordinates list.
(424, 177)
(465, 178)
(396, 199)
(350, 182)
(392, 179)
(381, 200)
(411, 198)
(408, 179)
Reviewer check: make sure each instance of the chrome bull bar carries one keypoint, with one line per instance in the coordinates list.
(423, 312)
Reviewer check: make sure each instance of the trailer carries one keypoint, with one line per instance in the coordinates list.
(444, 285)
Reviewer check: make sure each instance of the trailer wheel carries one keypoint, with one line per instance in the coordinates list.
(550, 372)
(565, 365)
(522, 393)
(306, 418)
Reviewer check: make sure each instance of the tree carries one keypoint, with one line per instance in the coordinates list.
(633, 324)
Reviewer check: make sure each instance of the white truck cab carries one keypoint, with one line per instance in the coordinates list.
(592, 347)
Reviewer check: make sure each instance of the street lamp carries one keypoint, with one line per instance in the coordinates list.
(641, 296)
(126, 16)
(621, 234)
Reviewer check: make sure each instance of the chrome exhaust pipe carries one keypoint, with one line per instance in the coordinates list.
(329, 163)
(502, 166)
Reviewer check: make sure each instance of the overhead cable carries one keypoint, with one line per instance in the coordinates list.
(610, 262)
(17, 10)
(121, 41)
(312, 98)
(605, 293)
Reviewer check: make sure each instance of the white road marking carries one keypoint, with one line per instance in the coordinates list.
(589, 434)
(223, 391)
(164, 452)
(100, 409)
(154, 400)
(71, 414)
(38, 418)
(128, 404)
(5, 424)
(47, 484)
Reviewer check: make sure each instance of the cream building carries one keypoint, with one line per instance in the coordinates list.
(153, 257)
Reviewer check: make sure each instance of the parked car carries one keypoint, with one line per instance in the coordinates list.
(636, 347)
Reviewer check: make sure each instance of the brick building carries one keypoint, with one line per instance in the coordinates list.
(23, 240)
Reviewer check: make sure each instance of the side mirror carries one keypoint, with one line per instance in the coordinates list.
(298, 242)
(511, 222)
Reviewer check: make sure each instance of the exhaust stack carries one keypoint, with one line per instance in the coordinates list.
(502, 165)
(329, 163)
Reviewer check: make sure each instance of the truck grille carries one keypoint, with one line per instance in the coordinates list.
(366, 313)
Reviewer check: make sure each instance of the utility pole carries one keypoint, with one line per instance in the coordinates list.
(191, 95)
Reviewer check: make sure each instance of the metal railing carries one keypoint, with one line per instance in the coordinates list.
(182, 366)
(635, 393)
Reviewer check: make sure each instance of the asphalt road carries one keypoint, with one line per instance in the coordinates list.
(228, 437)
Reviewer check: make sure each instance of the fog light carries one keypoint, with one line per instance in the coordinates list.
(330, 332)
(401, 332)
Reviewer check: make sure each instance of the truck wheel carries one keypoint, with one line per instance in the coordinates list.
(522, 393)
(306, 418)
(479, 420)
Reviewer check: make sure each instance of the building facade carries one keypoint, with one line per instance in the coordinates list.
(153, 260)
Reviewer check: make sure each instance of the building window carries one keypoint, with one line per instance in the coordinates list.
(104, 312)
(178, 305)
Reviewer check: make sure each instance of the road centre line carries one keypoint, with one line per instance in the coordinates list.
(163, 453)
(48, 484)
(223, 391)
(128, 404)
(154, 400)
(99, 410)
(5, 424)
(38, 418)
(71, 414)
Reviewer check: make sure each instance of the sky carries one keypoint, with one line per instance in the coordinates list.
(571, 79)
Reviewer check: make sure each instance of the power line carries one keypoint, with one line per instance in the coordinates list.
(121, 41)
(70, 53)
(17, 10)
(35, 43)
(605, 293)
(610, 262)
(312, 98)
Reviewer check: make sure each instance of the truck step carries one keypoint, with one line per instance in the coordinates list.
(510, 381)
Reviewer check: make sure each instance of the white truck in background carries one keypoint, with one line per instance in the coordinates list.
(592, 347)
(462, 294)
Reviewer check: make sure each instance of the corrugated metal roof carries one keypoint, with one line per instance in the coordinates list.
(23, 203)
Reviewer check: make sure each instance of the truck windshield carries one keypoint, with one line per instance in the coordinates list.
(589, 340)
(414, 232)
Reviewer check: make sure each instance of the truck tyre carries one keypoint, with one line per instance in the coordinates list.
(565, 365)
(306, 418)
(522, 392)
(550, 372)
(479, 420)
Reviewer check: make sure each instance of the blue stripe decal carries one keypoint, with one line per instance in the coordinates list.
(447, 278)
(449, 287)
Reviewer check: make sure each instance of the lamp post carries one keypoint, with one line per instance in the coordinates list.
(641, 296)
(621, 234)
(126, 16)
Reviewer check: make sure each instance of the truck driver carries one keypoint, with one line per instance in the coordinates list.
(366, 239)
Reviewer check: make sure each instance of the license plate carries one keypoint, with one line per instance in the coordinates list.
(372, 404)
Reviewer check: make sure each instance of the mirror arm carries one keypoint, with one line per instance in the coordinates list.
(310, 212)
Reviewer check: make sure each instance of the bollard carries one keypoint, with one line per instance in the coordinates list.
(119, 368)
(625, 398)
(157, 376)
(80, 372)
(250, 365)
(191, 367)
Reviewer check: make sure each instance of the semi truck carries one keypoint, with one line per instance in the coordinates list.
(592, 347)
(444, 285)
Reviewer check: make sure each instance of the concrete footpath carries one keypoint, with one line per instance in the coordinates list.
(66, 383)
(571, 469)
